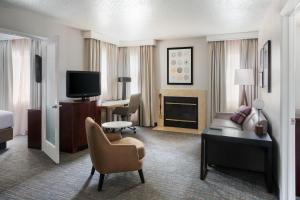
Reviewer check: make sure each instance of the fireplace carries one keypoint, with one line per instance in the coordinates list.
(181, 112)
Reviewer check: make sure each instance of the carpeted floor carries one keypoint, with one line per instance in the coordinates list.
(171, 170)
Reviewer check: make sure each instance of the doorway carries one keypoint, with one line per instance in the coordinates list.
(28, 82)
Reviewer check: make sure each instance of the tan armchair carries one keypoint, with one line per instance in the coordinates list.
(110, 153)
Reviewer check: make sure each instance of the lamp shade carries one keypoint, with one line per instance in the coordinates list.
(124, 79)
(258, 104)
(244, 77)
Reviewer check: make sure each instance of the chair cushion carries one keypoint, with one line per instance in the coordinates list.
(132, 141)
(241, 114)
(224, 123)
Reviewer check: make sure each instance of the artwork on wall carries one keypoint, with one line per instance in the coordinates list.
(261, 69)
(180, 66)
(265, 60)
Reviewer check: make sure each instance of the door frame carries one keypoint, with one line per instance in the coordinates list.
(50, 149)
(287, 155)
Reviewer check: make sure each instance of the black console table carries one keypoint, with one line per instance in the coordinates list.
(227, 150)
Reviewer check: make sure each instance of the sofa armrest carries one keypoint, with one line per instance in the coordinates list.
(223, 115)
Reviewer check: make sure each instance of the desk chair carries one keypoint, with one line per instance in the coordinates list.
(126, 111)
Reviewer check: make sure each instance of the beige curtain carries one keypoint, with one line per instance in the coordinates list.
(217, 77)
(6, 76)
(35, 88)
(21, 84)
(147, 86)
(92, 54)
(249, 60)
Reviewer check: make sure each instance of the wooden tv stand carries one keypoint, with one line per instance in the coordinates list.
(72, 117)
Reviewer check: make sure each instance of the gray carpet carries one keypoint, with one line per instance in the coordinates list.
(171, 171)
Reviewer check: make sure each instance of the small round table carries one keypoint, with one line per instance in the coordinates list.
(117, 125)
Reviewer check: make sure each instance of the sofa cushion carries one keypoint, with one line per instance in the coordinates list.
(252, 119)
(240, 115)
(224, 123)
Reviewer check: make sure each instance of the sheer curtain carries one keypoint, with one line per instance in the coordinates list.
(21, 84)
(109, 71)
(134, 60)
(123, 70)
(249, 60)
(232, 62)
(6, 74)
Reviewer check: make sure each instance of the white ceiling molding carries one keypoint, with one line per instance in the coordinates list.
(99, 36)
(232, 36)
(290, 7)
(137, 43)
(4, 36)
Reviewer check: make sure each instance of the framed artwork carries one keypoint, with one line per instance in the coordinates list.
(261, 68)
(267, 66)
(180, 66)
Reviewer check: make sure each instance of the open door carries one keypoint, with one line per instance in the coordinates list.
(50, 106)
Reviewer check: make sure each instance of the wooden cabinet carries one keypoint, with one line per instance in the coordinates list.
(72, 124)
(34, 128)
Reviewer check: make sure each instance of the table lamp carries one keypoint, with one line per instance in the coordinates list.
(259, 105)
(124, 80)
(244, 77)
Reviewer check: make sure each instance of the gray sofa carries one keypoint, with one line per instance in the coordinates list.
(222, 120)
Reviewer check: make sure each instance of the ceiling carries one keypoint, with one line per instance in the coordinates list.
(129, 20)
(4, 36)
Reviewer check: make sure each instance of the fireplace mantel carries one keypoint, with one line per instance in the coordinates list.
(200, 94)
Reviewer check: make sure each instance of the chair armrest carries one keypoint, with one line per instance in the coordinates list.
(223, 115)
(113, 136)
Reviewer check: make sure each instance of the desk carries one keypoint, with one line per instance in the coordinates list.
(109, 105)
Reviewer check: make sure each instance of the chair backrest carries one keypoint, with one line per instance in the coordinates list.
(134, 103)
(97, 142)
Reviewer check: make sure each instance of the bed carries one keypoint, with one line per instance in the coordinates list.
(6, 128)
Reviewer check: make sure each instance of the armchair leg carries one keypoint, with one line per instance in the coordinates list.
(141, 175)
(92, 171)
(101, 179)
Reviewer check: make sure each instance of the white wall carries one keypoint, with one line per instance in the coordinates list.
(200, 63)
(271, 30)
(71, 43)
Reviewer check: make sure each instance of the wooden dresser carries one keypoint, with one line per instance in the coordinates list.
(72, 124)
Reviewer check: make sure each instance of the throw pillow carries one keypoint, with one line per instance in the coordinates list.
(240, 115)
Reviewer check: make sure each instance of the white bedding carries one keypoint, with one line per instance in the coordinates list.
(6, 119)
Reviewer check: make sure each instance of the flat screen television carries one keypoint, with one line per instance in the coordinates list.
(83, 84)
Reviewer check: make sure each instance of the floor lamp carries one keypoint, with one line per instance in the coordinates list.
(244, 77)
(124, 80)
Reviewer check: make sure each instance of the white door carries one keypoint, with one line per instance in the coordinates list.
(50, 106)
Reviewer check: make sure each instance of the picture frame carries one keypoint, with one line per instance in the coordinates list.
(267, 73)
(180, 66)
(261, 69)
